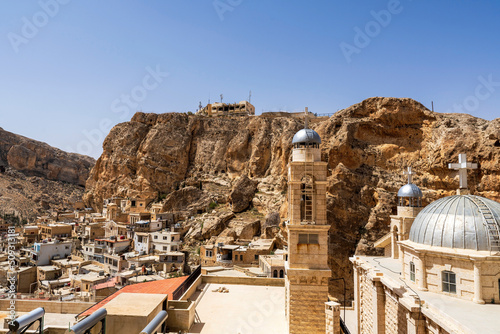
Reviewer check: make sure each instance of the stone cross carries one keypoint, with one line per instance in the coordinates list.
(462, 168)
(306, 120)
(410, 174)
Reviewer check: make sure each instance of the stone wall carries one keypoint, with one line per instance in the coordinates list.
(49, 306)
(307, 309)
(332, 314)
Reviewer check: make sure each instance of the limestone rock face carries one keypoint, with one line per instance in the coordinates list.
(367, 147)
(242, 194)
(213, 226)
(35, 177)
(34, 158)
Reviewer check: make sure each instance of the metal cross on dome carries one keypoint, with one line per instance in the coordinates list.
(462, 168)
(410, 174)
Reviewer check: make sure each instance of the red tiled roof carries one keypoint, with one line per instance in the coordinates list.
(166, 286)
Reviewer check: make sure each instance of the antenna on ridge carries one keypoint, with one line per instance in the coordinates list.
(221, 97)
(306, 120)
(250, 97)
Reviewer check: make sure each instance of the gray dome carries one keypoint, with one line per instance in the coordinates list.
(458, 222)
(306, 136)
(410, 190)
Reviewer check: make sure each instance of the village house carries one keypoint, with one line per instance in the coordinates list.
(48, 272)
(228, 255)
(168, 241)
(44, 252)
(55, 230)
(94, 231)
(113, 229)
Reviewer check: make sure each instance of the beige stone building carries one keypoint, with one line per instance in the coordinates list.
(307, 271)
(445, 275)
(216, 109)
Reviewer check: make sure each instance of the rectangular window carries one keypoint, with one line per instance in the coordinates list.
(412, 271)
(208, 253)
(449, 281)
(308, 239)
(256, 257)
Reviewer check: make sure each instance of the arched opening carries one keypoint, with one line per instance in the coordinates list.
(307, 199)
(281, 273)
(275, 273)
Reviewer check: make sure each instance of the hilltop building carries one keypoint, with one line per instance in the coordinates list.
(217, 109)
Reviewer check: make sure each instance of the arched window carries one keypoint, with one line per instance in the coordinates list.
(449, 279)
(275, 273)
(281, 273)
(307, 199)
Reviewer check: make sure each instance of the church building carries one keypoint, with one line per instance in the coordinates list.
(441, 272)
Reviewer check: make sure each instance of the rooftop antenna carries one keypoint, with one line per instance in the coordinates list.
(208, 97)
(200, 106)
(221, 97)
(250, 97)
(432, 103)
(306, 120)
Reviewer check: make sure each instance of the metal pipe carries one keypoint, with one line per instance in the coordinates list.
(89, 322)
(27, 320)
(156, 323)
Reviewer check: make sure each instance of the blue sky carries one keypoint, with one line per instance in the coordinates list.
(72, 69)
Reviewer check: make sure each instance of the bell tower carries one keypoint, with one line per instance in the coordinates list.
(307, 271)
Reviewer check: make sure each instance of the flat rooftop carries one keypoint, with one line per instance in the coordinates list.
(474, 318)
(244, 309)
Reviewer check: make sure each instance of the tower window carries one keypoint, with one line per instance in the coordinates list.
(412, 271)
(306, 200)
(308, 239)
(449, 281)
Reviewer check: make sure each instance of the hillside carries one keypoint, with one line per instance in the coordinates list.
(367, 147)
(35, 177)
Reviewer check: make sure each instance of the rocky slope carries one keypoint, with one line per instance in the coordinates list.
(35, 176)
(367, 147)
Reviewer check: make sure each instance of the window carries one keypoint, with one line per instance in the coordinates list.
(241, 257)
(412, 271)
(156, 237)
(174, 258)
(306, 200)
(208, 253)
(308, 239)
(132, 204)
(165, 248)
(449, 281)
(256, 257)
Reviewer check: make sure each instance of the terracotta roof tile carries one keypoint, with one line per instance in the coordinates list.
(166, 286)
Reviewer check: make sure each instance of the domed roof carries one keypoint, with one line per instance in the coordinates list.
(410, 190)
(457, 222)
(306, 136)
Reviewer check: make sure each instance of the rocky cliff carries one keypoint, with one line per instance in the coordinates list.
(35, 176)
(367, 146)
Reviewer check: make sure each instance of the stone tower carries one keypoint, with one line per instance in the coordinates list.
(307, 271)
(409, 206)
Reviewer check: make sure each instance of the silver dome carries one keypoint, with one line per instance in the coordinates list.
(306, 136)
(410, 190)
(457, 222)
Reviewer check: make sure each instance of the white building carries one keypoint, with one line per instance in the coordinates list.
(167, 241)
(44, 252)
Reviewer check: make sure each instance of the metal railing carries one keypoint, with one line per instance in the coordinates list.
(24, 322)
(186, 284)
(343, 327)
(156, 323)
(86, 325)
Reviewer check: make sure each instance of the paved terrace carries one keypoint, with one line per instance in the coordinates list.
(471, 317)
(245, 309)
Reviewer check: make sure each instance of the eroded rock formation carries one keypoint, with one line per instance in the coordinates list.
(367, 146)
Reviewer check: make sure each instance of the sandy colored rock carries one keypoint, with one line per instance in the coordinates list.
(367, 147)
(242, 194)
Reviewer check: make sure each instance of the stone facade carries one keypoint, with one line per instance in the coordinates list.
(307, 271)
(477, 272)
(332, 313)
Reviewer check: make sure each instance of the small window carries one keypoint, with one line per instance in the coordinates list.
(256, 257)
(208, 253)
(132, 204)
(412, 271)
(241, 257)
(449, 281)
(308, 239)
(156, 237)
